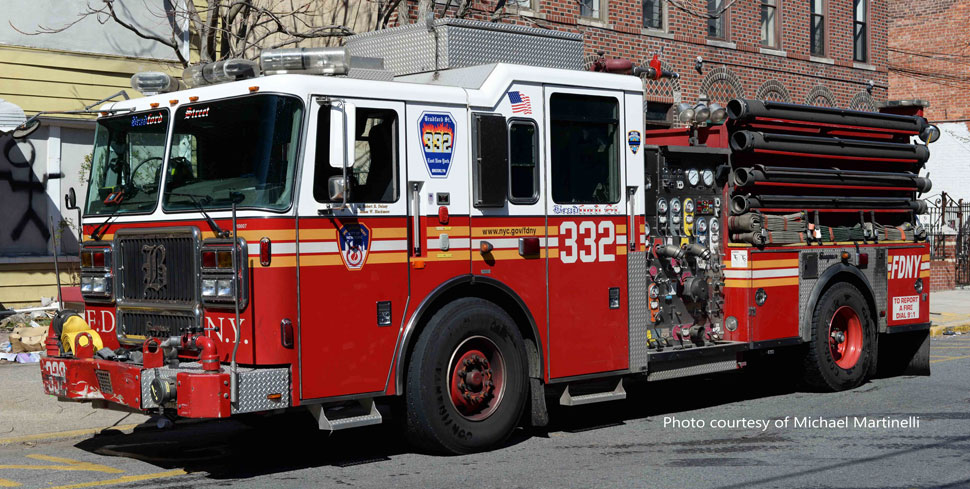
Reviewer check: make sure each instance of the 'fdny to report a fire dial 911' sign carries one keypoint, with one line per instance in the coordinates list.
(438, 135)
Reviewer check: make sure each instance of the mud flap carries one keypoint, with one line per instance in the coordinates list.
(904, 354)
(919, 363)
(540, 415)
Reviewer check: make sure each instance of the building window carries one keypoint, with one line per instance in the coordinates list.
(522, 4)
(589, 8)
(653, 14)
(769, 23)
(657, 115)
(817, 27)
(717, 19)
(860, 34)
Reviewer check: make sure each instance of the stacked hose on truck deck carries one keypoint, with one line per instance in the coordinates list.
(803, 174)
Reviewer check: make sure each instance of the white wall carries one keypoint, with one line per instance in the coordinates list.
(949, 163)
(89, 35)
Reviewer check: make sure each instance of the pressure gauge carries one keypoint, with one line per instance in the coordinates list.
(701, 225)
(654, 291)
(646, 228)
(675, 205)
(715, 228)
(708, 176)
(675, 218)
(688, 205)
(661, 206)
(693, 178)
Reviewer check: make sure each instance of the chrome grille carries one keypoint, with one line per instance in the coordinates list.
(158, 268)
(104, 381)
(144, 324)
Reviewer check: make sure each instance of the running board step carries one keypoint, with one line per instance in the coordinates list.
(615, 395)
(332, 418)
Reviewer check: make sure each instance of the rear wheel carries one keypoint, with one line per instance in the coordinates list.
(843, 338)
(467, 384)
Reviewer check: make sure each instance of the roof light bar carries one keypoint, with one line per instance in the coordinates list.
(219, 72)
(316, 61)
(153, 83)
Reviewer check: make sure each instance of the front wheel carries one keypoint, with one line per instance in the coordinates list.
(466, 384)
(843, 340)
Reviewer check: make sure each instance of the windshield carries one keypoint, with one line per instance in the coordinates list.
(127, 162)
(243, 148)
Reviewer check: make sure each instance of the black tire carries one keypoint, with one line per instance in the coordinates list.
(434, 423)
(821, 372)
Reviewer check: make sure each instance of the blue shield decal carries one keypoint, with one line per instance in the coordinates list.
(437, 132)
(633, 139)
(354, 242)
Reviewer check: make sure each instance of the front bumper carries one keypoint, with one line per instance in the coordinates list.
(199, 394)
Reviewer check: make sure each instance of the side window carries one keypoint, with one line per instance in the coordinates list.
(523, 162)
(373, 178)
(585, 149)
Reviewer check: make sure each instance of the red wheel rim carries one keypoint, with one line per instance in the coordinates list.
(476, 376)
(845, 337)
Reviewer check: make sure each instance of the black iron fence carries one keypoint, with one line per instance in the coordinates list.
(948, 232)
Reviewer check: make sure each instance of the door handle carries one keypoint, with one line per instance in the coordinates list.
(415, 188)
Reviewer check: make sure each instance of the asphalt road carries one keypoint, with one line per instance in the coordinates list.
(630, 443)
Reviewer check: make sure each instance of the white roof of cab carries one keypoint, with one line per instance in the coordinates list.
(480, 86)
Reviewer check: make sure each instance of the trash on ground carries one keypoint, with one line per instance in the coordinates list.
(32, 357)
(28, 338)
(11, 322)
(949, 332)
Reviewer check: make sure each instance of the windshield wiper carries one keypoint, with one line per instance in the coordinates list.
(113, 198)
(200, 205)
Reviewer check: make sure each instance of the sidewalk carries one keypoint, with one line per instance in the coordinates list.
(950, 310)
(27, 413)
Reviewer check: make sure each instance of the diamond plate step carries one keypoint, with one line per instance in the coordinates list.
(616, 394)
(332, 421)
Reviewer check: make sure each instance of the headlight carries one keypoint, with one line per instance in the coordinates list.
(224, 287)
(97, 284)
(208, 288)
(86, 285)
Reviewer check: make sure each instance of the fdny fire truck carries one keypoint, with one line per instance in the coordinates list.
(460, 215)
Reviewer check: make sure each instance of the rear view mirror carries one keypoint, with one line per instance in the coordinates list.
(339, 188)
(70, 199)
(26, 129)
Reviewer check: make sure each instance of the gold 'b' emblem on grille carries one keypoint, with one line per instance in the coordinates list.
(156, 273)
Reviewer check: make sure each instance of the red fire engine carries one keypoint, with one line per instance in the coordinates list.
(428, 220)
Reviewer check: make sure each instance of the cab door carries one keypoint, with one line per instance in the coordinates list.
(352, 253)
(586, 209)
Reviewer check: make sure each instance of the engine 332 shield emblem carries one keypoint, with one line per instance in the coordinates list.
(354, 244)
(437, 132)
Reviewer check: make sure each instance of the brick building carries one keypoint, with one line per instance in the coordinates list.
(928, 56)
(821, 52)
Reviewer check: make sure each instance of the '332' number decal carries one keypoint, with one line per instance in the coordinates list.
(437, 142)
(586, 241)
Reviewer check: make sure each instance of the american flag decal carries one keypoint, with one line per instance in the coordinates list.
(520, 103)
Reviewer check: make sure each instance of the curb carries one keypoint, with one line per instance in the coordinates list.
(60, 435)
(957, 328)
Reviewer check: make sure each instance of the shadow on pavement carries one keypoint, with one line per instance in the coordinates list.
(231, 449)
